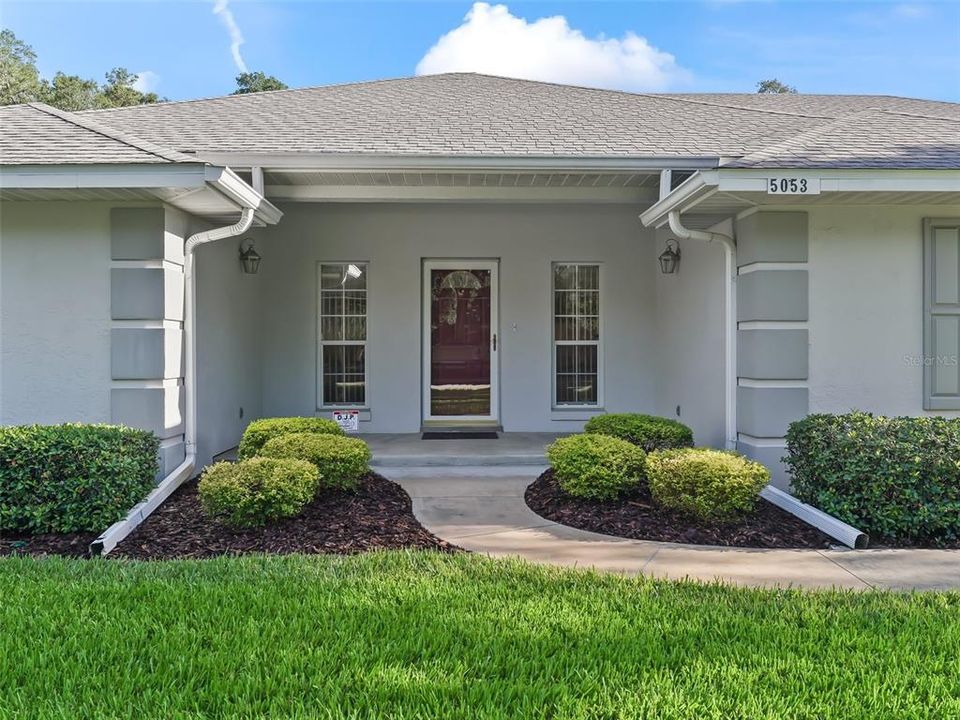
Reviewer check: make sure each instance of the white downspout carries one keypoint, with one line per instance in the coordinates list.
(730, 315)
(120, 529)
(190, 319)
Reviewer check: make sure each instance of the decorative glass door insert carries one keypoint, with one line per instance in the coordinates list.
(462, 340)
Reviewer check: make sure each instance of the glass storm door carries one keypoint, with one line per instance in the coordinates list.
(460, 340)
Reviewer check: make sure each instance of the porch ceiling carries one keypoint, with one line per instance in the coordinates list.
(314, 185)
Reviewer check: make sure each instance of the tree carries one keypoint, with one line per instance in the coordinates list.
(20, 82)
(774, 87)
(71, 92)
(19, 77)
(120, 91)
(254, 82)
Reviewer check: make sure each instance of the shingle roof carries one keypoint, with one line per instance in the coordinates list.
(827, 105)
(466, 115)
(458, 114)
(37, 134)
(867, 139)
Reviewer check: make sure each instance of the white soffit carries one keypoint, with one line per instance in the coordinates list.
(412, 185)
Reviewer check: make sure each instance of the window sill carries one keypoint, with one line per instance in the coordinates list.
(573, 413)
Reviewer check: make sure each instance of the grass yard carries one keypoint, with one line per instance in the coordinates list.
(424, 635)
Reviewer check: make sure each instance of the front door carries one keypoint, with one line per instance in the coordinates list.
(460, 341)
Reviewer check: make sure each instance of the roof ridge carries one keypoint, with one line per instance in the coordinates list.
(113, 134)
(889, 111)
(676, 98)
(786, 143)
(679, 96)
(261, 93)
(673, 97)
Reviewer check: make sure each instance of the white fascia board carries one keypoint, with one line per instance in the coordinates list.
(848, 180)
(229, 184)
(399, 193)
(148, 175)
(374, 162)
(705, 183)
(695, 188)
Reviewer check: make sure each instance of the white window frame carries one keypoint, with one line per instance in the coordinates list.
(554, 343)
(321, 343)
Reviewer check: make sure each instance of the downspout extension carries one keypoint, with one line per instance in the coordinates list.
(120, 529)
(730, 313)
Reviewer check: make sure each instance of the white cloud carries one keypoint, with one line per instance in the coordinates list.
(491, 40)
(146, 81)
(236, 37)
(911, 11)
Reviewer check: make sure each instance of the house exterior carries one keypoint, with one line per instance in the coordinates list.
(466, 250)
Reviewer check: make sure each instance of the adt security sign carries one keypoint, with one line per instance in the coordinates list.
(348, 420)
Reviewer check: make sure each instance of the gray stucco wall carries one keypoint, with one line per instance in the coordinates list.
(689, 339)
(394, 238)
(54, 312)
(866, 308)
(229, 347)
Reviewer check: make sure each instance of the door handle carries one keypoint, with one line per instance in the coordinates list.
(494, 342)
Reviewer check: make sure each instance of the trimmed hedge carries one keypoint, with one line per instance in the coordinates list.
(260, 431)
(708, 484)
(647, 431)
(72, 477)
(256, 491)
(342, 461)
(596, 466)
(896, 478)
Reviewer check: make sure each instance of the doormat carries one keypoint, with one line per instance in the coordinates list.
(465, 435)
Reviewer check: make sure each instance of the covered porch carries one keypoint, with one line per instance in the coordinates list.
(523, 301)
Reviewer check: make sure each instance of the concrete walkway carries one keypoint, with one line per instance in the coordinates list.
(482, 509)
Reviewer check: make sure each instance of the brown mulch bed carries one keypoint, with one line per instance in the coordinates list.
(67, 545)
(378, 514)
(636, 516)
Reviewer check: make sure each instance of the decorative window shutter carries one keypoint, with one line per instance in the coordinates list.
(941, 332)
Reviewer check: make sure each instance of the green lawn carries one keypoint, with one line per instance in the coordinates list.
(421, 635)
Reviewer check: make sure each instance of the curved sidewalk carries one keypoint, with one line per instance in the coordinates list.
(482, 509)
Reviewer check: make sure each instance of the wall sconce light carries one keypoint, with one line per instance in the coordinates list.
(249, 258)
(670, 258)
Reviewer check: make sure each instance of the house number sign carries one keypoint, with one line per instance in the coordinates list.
(793, 185)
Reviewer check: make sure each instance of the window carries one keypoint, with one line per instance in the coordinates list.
(576, 334)
(941, 346)
(343, 335)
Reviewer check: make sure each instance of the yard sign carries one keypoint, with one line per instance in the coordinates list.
(348, 420)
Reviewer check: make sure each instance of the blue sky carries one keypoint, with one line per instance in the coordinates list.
(901, 48)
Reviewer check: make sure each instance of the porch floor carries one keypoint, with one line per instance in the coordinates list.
(410, 450)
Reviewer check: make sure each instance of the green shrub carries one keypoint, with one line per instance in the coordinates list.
(647, 431)
(596, 466)
(260, 431)
(708, 484)
(896, 478)
(72, 478)
(254, 492)
(342, 461)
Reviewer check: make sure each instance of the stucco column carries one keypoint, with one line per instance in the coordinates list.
(772, 335)
(146, 336)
